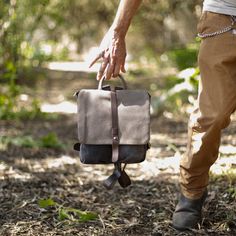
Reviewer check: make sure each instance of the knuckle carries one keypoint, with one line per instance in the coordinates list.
(114, 57)
(105, 61)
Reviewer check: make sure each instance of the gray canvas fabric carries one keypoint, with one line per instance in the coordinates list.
(94, 116)
(227, 7)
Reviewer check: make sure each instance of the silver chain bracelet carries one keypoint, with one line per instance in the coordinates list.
(222, 31)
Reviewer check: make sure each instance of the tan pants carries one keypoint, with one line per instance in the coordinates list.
(216, 103)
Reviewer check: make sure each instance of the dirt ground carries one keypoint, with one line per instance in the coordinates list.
(144, 208)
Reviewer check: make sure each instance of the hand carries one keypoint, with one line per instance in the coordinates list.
(113, 52)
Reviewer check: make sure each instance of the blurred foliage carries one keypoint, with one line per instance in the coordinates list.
(33, 32)
(22, 40)
(178, 91)
(181, 58)
(25, 141)
(10, 105)
(48, 141)
(163, 25)
(181, 89)
(12, 108)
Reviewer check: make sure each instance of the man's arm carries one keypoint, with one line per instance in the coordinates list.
(124, 15)
(113, 49)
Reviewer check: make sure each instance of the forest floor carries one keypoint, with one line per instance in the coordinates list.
(28, 174)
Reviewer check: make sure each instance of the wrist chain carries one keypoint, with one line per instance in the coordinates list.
(222, 31)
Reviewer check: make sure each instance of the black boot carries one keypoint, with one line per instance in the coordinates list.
(187, 214)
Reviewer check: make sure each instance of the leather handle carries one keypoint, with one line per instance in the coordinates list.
(120, 77)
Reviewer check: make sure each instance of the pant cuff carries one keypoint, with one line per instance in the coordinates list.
(193, 194)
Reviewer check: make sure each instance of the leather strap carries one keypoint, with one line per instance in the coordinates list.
(115, 129)
(112, 179)
(118, 174)
(124, 179)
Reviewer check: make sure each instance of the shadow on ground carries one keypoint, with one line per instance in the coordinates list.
(145, 208)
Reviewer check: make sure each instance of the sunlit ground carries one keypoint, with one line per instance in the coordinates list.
(62, 107)
(155, 164)
(161, 159)
(33, 173)
(72, 66)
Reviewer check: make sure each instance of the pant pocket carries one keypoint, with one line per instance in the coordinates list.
(213, 22)
(201, 22)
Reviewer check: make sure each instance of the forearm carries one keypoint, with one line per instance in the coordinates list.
(112, 47)
(124, 15)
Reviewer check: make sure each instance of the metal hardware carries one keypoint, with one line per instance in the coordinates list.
(121, 78)
(222, 31)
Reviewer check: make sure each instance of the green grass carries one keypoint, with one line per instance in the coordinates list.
(48, 141)
(67, 213)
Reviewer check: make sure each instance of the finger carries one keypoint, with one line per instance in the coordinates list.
(100, 55)
(110, 69)
(116, 69)
(102, 68)
(94, 60)
(122, 68)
